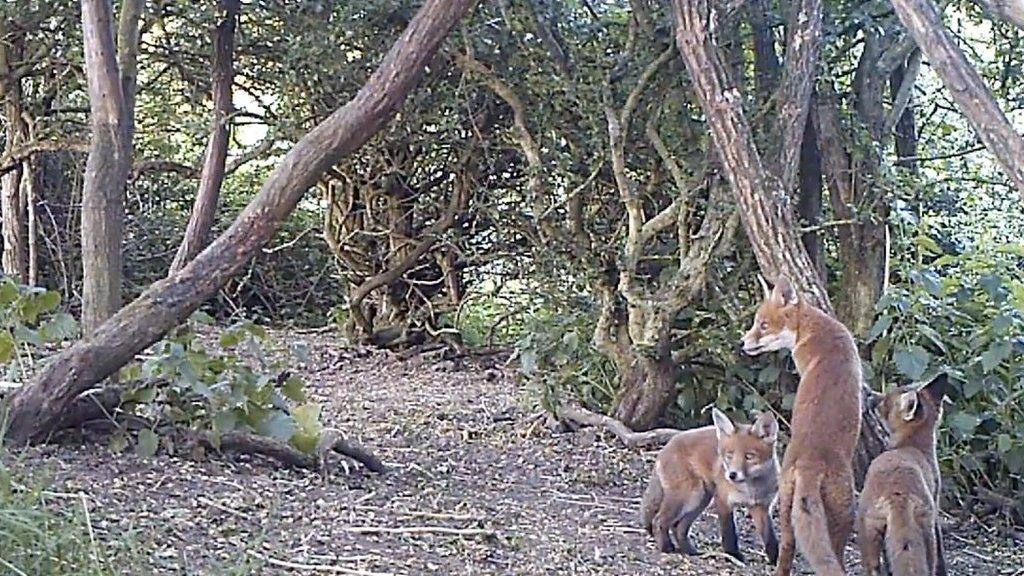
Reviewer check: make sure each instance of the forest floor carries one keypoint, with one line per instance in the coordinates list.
(478, 484)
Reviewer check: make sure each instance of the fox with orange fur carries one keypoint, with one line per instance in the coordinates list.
(899, 505)
(733, 463)
(816, 502)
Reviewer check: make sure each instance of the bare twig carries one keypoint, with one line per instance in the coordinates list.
(631, 439)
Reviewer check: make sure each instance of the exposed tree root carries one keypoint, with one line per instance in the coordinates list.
(579, 415)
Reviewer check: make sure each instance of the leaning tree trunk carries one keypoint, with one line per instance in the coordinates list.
(36, 408)
(965, 85)
(111, 103)
(212, 176)
(764, 201)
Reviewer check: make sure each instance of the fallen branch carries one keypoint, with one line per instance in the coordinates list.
(314, 567)
(420, 530)
(580, 415)
(284, 453)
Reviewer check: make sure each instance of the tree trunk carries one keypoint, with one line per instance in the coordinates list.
(36, 407)
(965, 85)
(211, 178)
(15, 263)
(646, 389)
(764, 203)
(1011, 11)
(809, 201)
(109, 162)
(906, 127)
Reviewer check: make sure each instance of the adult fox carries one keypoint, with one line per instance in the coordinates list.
(900, 501)
(816, 502)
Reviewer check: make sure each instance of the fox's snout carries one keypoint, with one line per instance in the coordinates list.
(735, 476)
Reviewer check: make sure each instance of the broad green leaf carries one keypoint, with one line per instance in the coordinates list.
(1004, 443)
(230, 339)
(278, 425)
(293, 389)
(61, 326)
(307, 417)
(963, 423)
(225, 421)
(27, 335)
(8, 292)
(881, 325)
(202, 318)
(148, 442)
(769, 374)
(7, 345)
(995, 354)
(972, 386)
(48, 301)
(1015, 460)
(912, 362)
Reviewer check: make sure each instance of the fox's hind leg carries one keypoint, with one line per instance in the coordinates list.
(682, 527)
(787, 539)
(870, 538)
(837, 496)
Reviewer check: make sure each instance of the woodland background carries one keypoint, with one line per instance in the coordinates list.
(560, 186)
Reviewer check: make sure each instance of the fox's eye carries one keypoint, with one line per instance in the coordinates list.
(749, 456)
(764, 326)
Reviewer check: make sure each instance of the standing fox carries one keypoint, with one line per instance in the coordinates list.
(900, 501)
(816, 507)
(734, 464)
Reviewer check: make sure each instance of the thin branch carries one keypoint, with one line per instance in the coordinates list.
(579, 415)
(904, 93)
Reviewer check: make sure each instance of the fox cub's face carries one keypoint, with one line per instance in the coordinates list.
(775, 321)
(908, 409)
(747, 452)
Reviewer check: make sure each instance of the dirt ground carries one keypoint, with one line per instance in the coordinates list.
(478, 484)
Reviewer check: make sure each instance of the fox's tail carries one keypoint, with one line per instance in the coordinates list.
(810, 526)
(651, 502)
(905, 544)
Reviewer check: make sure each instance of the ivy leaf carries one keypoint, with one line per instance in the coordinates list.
(307, 417)
(995, 354)
(912, 362)
(27, 335)
(60, 326)
(148, 442)
(8, 292)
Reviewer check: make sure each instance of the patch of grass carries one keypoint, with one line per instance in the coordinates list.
(46, 533)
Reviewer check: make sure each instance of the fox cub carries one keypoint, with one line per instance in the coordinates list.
(734, 464)
(900, 501)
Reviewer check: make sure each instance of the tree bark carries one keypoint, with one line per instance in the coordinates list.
(36, 407)
(109, 161)
(211, 178)
(1011, 11)
(646, 390)
(965, 85)
(809, 202)
(15, 262)
(764, 204)
(767, 214)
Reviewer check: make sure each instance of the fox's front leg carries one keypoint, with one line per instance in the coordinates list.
(727, 527)
(763, 522)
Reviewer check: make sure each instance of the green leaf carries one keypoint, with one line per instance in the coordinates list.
(225, 421)
(202, 318)
(769, 374)
(27, 335)
(148, 442)
(8, 292)
(881, 325)
(62, 326)
(971, 387)
(307, 417)
(230, 339)
(293, 389)
(912, 362)
(963, 423)
(1015, 248)
(928, 245)
(1004, 443)
(278, 425)
(1015, 460)
(7, 345)
(48, 301)
(995, 355)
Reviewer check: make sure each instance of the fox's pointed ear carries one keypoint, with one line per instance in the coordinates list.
(784, 292)
(908, 405)
(766, 427)
(765, 288)
(724, 426)
(936, 389)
